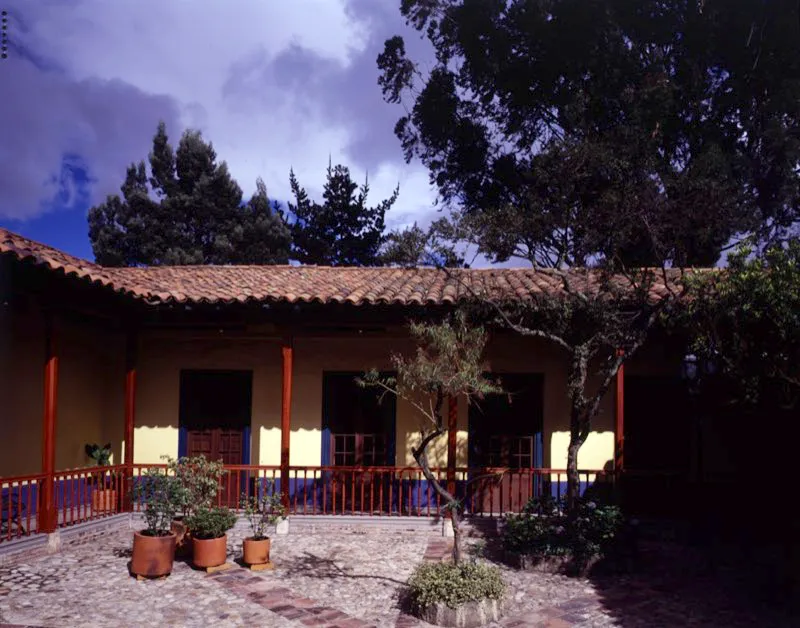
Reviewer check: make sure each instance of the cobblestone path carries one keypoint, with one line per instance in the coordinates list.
(345, 580)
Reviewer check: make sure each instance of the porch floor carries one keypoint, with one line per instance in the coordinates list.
(351, 580)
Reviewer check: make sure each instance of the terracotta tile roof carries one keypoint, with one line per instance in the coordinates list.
(296, 284)
(42, 255)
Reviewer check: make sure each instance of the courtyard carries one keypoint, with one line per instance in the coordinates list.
(355, 579)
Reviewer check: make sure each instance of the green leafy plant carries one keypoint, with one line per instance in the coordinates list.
(454, 584)
(200, 480)
(448, 362)
(161, 495)
(544, 529)
(263, 511)
(210, 523)
(100, 455)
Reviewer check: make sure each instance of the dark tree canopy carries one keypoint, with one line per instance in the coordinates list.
(631, 131)
(413, 246)
(341, 231)
(192, 213)
(746, 318)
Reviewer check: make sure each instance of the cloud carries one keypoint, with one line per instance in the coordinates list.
(272, 84)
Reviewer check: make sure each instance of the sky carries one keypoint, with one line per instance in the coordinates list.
(273, 84)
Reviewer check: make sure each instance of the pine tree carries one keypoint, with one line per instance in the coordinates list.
(191, 213)
(343, 230)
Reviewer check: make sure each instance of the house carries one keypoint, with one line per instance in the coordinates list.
(256, 366)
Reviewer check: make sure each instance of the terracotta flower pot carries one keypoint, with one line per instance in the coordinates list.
(152, 555)
(255, 552)
(183, 538)
(104, 500)
(209, 552)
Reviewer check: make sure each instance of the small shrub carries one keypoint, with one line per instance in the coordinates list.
(205, 523)
(454, 584)
(544, 530)
(161, 495)
(264, 511)
(199, 479)
(100, 455)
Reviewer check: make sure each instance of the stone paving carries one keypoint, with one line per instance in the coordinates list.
(342, 580)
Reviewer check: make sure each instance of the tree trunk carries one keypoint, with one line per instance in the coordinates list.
(421, 456)
(455, 517)
(573, 479)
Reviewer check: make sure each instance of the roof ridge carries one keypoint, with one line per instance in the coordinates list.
(12, 235)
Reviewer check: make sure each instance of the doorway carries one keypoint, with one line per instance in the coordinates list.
(506, 433)
(215, 415)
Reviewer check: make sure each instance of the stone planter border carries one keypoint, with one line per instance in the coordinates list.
(549, 564)
(467, 615)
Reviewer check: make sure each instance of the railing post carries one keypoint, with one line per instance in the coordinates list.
(48, 515)
(130, 416)
(286, 412)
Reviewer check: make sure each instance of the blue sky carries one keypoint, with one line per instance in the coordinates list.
(273, 85)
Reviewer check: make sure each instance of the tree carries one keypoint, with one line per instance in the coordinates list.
(414, 247)
(265, 237)
(747, 319)
(599, 319)
(448, 363)
(612, 145)
(192, 213)
(613, 126)
(343, 230)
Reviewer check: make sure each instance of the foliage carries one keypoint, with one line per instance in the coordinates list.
(605, 125)
(263, 511)
(454, 584)
(162, 496)
(584, 138)
(343, 230)
(100, 455)
(188, 211)
(544, 529)
(414, 247)
(210, 523)
(747, 318)
(448, 362)
(200, 480)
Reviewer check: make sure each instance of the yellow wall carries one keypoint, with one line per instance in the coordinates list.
(162, 358)
(90, 383)
(91, 393)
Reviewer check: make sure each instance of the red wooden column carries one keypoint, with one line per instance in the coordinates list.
(48, 515)
(452, 436)
(619, 416)
(286, 414)
(130, 414)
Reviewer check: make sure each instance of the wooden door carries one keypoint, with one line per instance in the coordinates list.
(226, 445)
(215, 408)
(505, 436)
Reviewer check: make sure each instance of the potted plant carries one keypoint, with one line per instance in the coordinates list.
(154, 546)
(199, 480)
(103, 499)
(208, 527)
(261, 512)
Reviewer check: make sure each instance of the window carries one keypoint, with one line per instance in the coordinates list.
(358, 423)
(515, 452)
(504, 427)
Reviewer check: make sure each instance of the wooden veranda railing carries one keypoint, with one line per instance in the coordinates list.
(82, 495)
(78, 495)
(394, 491)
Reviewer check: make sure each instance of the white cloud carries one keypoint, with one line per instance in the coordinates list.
(272, 83)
